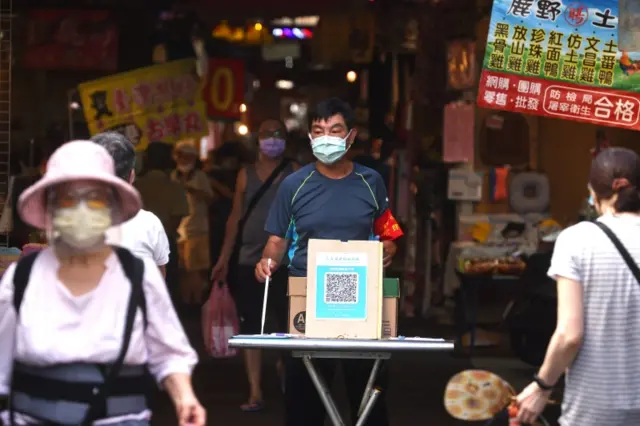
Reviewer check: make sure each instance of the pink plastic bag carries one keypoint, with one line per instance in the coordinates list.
(219, 322)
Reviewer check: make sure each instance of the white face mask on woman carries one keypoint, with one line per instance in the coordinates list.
(80, 226)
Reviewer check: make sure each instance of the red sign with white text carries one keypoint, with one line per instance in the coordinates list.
(224, 89)
(504, 91)
(72, 40)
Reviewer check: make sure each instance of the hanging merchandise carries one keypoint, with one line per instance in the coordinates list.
(498, 178)
(461, 64)
(459, 133)
(357, 29)
(561, 60)
(529, 193)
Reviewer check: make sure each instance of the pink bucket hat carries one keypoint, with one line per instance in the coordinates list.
(74, 161)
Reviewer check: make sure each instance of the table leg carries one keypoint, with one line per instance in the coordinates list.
(323, 391)
(368, 390)
(371, 402)
(473, 286)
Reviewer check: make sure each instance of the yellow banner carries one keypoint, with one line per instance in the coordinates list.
(157, 103)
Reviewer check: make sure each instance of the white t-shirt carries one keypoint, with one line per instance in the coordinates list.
(601, 386)
(144, 235)
(56, 327)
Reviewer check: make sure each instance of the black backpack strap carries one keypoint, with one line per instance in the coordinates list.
(21, 279)
(621, 248)
(134, 269)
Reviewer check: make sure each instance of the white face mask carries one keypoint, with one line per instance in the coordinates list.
(81, 227)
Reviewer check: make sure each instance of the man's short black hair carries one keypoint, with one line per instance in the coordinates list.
(330, 107)
(121, 150)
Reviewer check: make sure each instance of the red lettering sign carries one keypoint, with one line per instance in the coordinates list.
(72, 40)
(155, 130)
(122, 101)
(562, 100)
(193, 123)
(142, 95)
(173, 125)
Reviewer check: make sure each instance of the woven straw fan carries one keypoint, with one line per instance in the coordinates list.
(477, 395)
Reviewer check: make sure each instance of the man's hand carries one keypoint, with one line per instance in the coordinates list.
(265, 268)
(389, 249)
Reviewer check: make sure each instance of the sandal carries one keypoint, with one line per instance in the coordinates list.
(252, 406)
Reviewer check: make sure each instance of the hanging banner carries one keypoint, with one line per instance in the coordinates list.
(71, 40)
(224, 89)
(560, 59)
(158, 103)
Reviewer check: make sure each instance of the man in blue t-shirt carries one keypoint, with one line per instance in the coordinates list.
(335, 199)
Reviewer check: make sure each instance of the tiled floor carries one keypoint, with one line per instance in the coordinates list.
(414, 397)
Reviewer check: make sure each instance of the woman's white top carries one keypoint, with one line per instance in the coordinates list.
(56, 327)
(602, 384)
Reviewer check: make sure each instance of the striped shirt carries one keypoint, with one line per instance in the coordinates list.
(603, 383)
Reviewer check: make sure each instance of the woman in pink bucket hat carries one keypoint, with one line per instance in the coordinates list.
(84, 325)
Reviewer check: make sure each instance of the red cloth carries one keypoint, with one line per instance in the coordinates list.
(500, 191)
(386, 227)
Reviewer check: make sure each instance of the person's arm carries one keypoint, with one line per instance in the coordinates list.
(161, 248)
(567, 338)
(231, 230)
(221, 188)
(278, 223)
(200, 187)
(386, 228)
(171, 358)
(7, 331)
(179, 208)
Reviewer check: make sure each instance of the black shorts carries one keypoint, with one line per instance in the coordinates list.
(249, 295)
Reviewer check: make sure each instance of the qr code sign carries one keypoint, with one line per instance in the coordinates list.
(340, 287)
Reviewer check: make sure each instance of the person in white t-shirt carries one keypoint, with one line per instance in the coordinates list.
(144, 234)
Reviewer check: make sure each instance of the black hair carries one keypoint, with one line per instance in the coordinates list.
(121, 150)
(159, 156)
(330, 107)
(612, 164)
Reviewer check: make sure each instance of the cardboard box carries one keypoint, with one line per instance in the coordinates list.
(298, 306)
(344, 289)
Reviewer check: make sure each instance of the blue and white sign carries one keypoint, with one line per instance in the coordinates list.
(341, 286)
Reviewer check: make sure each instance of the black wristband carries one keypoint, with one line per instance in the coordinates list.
(542, 384)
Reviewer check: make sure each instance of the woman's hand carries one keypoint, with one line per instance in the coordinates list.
(190, 412)
(220, 271)
(389, 249)
(531, 403)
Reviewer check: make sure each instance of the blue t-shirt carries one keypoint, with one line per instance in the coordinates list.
(311, 205)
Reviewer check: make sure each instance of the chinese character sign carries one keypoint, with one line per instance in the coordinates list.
(162, 102)
(560, 59)
(71, 40)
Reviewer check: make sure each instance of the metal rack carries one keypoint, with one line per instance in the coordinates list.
(6, 62)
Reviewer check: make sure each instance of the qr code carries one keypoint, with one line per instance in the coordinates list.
(340, 287)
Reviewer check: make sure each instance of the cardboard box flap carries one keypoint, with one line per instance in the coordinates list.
(297, 286)
(391, 287)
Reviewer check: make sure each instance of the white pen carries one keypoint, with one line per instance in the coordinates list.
(266, 296)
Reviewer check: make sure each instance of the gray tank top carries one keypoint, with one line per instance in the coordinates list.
(254, 237)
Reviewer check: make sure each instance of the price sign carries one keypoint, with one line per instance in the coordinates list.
(224, 89)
